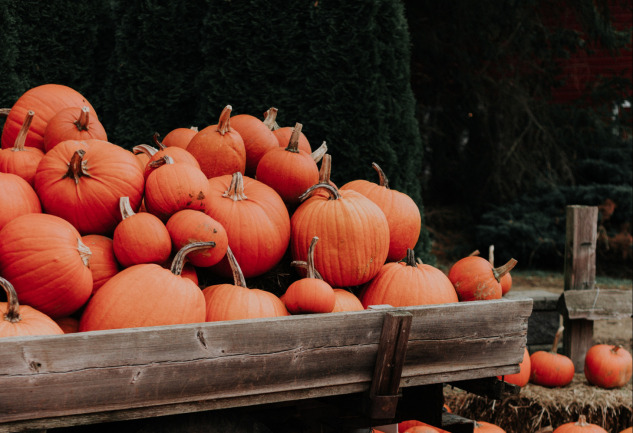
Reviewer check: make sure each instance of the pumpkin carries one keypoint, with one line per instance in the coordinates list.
(103, 263)
(523, 376)
(284, 133)
(18, 321)
(475, 279)
(17, 198)
(178, 154)
(82, 181)
(140, 237)
(174, 186)
(256, 221)
(353, 231)
(219, 148)
(506, 279)
(627, 430)
(68, 324)
(608, 366)
(422, 428)
(236, 301)
(486, 427)
(19, 159)
(344, 300)
(180, 137)
(46, 261)
(258, 139)
(551, 369)
(403, 214)
(146, 295)
(580, 426)
(73, 123)
(45, 100)
(188, 225)
(288, 170)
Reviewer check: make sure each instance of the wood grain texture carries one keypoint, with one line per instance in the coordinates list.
(131, 373)
(597, 304)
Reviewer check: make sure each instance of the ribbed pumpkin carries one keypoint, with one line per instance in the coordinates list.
(403, 214)
(236, 301)
(258, 139)
(73, 123)
(18, 321)
(407, 283)
(256, 221)
(219, 148)
(551, 369)
(174, 186)
(17, 198)
(140, 237)
(180, 137)
(47, 263)
(178, 154)
(288, 170)
(310, 294)
(352, 229)
(187, 225)
(103, 263)
(146, 295)
(82, 181)
(608, 366)
(475, 279)
(45, 100)
(580, 426)
(523, 376)
(19, 159)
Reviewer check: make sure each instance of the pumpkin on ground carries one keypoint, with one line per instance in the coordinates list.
(608, 366)
(18, 321)
(188, 225)
(73, 123)
(45, 100)
(82, 181)
(353, 232)
(236, 301)
(219, 148)
(523, 376)
(20, 159)
(408, 283)
(17, 198)
(258, 139)
(146, 295)
(403, 214)
(46, 261)
(551, 369)
(580, 426)
(475, 279)
(103, 263)
(256, 221)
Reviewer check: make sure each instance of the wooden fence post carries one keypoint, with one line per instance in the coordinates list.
(580, 274)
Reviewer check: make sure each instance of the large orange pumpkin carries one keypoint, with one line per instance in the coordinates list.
(73, 123)
(18, 321)
(19, 159)
(17, 198)
(45, 100)
(82, 181)
(608, 366)
(146, 295)
(46, 261)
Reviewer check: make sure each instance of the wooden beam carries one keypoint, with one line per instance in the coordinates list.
(596, 304)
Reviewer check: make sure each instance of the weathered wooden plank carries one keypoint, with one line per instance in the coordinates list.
(596, 304)
(122, 374)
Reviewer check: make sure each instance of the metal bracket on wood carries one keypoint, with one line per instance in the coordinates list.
(382, 398)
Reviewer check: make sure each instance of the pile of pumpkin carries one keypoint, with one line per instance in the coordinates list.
(95, 236)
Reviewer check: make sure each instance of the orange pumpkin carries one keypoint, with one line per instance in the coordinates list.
(258, 139)
(551, 369)
(178, 154)
(17, 198)
(236, 301)
(523, 376)
(219, 148)
(284, 133)
(346, 301)
(506, 279)
(180, 137)
(103, 263)
(608, 366)
(18, 321)
(475, 279)
(19, 159)
(73, 123)
(69, 324)
(580, 426)
(486, 427)
(188, 225)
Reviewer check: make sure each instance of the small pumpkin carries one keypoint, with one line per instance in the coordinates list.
(18, 321)
(580, 426)
(103, 263)
(475, 279)
(236, 301)
(523, 376)
(20, 159)
(73, 123)
(608, 366)
(258, 139)
(178, 154)
(345, 300)
(551, 369)
(17, 198)
(486, 427)
(284, 133)
(187, 225)
(180, 137)
(506, 279)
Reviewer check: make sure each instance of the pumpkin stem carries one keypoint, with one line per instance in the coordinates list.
(4, 112)
(126, 208)
(77, 166)
(326, 168)
(179, 260)
(615, 348)
(334, 193)
(236, 188)
(582, 421)
(238, 275)
(293, 143)
(13, 306)
(82, 123)
(304, 264)
(381, 175)
(318, 154)
(24, 130)
(157, 142)
(224, 124)
(474, 253)
(144, 148)
(164, 160)
(502, 270)
(410, 258)
(559, 333)
(311, 269)
(491, 255)
(270, 117)
(84, 252)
